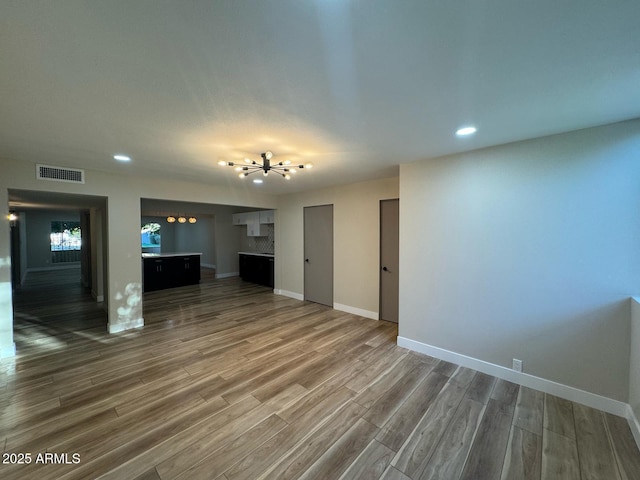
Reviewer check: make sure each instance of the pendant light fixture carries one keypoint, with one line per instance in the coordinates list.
(181, 219)
(284, 169)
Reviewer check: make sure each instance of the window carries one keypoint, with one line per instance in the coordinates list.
(150, 234)
(65, 236)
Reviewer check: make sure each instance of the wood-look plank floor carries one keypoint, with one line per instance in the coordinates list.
(228, 381)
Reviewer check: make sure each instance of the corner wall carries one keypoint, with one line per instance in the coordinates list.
(356, 217)
(227, 240)
(530, 251)
(634, 367)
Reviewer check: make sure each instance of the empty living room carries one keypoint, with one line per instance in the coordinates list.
(320, 239)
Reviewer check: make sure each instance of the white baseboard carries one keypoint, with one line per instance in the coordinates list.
(286, 293)
(121, 327)
(336, 306)
(634, 425)
(208, 265)
(8, 352)
(356, 311)
(227, 275)
(589, 399)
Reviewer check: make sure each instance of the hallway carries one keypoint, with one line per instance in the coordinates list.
(52, 310)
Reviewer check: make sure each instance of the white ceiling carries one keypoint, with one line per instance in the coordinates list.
(357, 87)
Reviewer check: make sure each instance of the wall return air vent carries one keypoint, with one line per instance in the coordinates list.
(59, 174)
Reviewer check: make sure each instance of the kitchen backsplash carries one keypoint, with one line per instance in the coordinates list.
(261, 244)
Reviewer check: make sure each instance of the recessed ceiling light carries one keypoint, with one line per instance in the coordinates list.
(464, 131)
(257, 180)
(122, 158)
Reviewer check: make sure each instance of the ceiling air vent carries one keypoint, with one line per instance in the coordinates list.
(59, 174)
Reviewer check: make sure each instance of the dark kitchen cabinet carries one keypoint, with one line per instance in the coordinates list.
(170, 271)
(256, 269)
(155, 274)
(187, 270)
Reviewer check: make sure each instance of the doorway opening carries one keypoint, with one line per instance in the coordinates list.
(57, 276)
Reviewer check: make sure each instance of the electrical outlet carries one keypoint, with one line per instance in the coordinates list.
(517, 365)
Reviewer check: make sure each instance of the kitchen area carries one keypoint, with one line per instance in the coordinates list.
(220, 240)
(256, 258)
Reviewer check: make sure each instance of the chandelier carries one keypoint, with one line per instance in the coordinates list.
(284, 169)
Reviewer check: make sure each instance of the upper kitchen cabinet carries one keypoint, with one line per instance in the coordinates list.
(254, 227)
(256, 222)
(267, 216)
(240, 218)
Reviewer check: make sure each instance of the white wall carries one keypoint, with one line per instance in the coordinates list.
(227, 239)
(356, 230)
(529, 250)
(197, 237)
(634, 362)
(38, 230)
(7, 347)
(124, 271)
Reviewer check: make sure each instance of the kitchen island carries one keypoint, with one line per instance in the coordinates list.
(257, 267)
(169, 270)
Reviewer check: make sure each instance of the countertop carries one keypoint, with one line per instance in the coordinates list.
(170, 254)
(256, 254)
